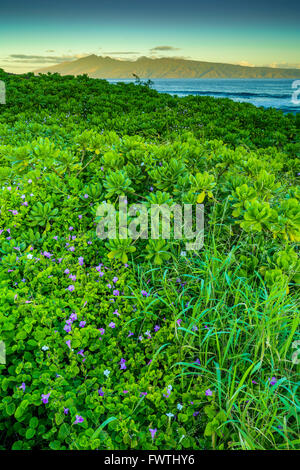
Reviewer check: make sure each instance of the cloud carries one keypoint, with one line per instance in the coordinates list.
(245, 63)
(283, 65)
(118, 53)
(40, 59)
(164, 48)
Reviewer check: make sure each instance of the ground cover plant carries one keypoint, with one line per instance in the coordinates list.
(140, 344)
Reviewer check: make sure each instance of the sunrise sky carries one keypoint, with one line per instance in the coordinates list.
(37, 33)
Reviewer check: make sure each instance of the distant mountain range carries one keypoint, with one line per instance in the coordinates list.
(145, 67)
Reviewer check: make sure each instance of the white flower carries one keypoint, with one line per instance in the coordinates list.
(170, 415)
(45, 348)
(179, 407)
(106, 372)
(183, 253)
(29, 256)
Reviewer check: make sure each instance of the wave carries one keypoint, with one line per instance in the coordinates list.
(242, 94)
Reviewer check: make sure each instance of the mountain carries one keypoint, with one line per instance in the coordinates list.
(145, 67)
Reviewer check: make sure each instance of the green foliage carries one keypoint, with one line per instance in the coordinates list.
(207, 338)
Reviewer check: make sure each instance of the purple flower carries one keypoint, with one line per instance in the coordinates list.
(80, 216)
(178, 321)
(81, 260)
(66, 411)
(115, 279)
(86, 196)
(208, 392)
(67, 328)
(73, 316)
(23, 386)
(102, 331)
(156, 328)
(112, 324)
(68, 343)
(144, 293)
(100, 391)
(45, 397)
(116, 292)
(273, 381)
(123, 364)
(153, 432)
(79, 419)
(71, 288)
(130, 334)
(71, 248)
(71, 228)
(82, 324)
(66, 271)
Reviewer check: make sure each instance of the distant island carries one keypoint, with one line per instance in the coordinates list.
(146, 68)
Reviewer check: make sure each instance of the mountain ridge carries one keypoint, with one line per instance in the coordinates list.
(146, 68)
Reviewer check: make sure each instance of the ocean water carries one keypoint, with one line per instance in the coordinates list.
(269, 93)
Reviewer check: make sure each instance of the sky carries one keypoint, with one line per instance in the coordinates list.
(38, 33)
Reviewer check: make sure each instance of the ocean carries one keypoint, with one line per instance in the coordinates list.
(269, 93)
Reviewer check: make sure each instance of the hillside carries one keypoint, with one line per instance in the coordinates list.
(145, 67)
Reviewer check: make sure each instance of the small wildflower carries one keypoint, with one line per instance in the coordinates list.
(153, 432)
(79, 419)
(45, 397)
(273, 381)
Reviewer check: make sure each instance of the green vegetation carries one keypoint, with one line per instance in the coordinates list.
(126, 344)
